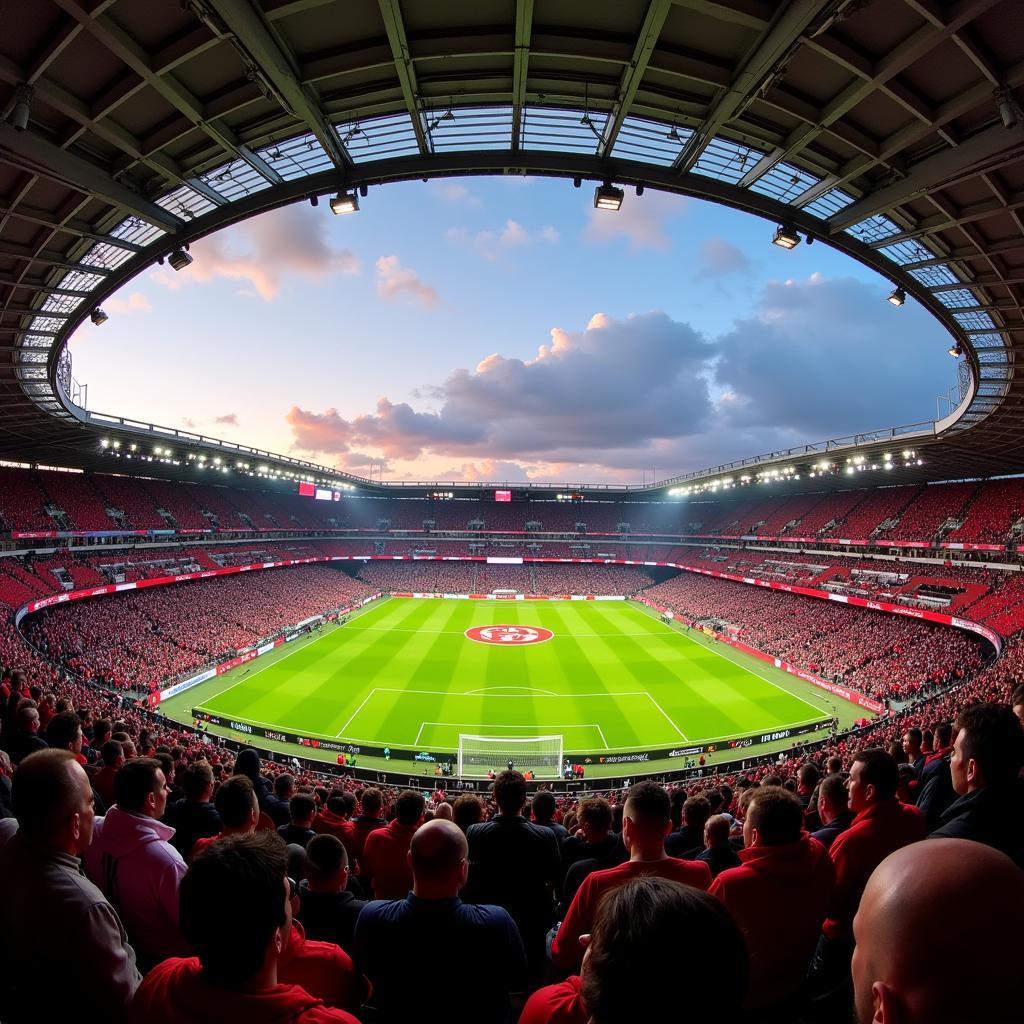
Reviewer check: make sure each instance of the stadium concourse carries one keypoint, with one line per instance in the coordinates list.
(156, 871)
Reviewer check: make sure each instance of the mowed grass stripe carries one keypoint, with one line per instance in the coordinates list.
(407, 662)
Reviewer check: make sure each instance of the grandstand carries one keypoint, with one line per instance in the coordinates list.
(770, 679)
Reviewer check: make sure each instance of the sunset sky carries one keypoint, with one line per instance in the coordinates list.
(503, 329)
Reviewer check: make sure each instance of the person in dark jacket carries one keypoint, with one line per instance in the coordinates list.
(718, 854)
(985, 766)
(248, 764)
(936, 791)
(833, 810)
(277, 805)
(688, 840)
(514, 864)
(327, 910)
(195, 817)
(544, 807)
(597, 842)
(301, 811)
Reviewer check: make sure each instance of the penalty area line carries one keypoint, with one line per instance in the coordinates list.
(667, 719)
(354, 713)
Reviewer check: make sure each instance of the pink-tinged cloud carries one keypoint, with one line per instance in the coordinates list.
(136, 302)
(717, 258)
(455, 192)
(491, 244)
(263, 251)
(229, 419)
(640, 221)
(394, 281)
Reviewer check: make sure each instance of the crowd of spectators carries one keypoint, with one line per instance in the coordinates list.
(143, 637)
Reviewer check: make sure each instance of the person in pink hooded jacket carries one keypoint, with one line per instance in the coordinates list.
(133, 863)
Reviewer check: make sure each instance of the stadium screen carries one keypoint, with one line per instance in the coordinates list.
(502, 495)
(307, 490)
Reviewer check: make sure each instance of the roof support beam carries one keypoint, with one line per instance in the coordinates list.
(250, 28)
(973, 156)
(30, 286)
(633, 75)
(520, 66)
(35, 216)
(126, 49)
(391, 12)
(34, 154)
(774, 46)
(966, 215)
(23, 252)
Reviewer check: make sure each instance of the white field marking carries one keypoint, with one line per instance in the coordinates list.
(667, 719)
(746, 669)
(534, 727)
(523, 689)
(457, 693)
(603, 740)
(356, 712)
(461, 632)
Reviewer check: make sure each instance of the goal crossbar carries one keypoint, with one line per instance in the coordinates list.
(479, 755)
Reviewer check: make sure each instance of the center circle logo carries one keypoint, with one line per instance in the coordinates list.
(509, 636)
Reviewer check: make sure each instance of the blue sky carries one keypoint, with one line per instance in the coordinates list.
(502, 328)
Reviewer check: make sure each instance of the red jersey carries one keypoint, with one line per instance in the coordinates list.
(323, 969)
(557, 1004)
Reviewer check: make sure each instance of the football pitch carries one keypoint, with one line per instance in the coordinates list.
(608, 676)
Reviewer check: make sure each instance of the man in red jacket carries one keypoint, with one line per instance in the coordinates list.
(646, 820)
(367, 821)
(778, 895)
(386, 867)
(241, 880)
(334, 820)
(880, 826)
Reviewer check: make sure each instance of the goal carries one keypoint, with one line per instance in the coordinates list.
(479, 755)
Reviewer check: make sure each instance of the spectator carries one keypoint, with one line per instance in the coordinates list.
(237, 809)
(643, 936)
(301, 811)
(985, 766)
(936, 791)
(881, 824)
(240, 879)
(278, 806)
(334, 819)
(112, 756)
(132, 861)
(467, 810)
(718, 851)
(368, 820)
(912, 741)
(195, 817)
(514, 864)
(386, 868)
(248, 763)
(327, 910)
(598, 847)
(64, 732)
(1017, 703)
(908, 971)
(778, 896)
(646, 822)
(544, 808)
(833, 810)
(482, 940)
(688, 841)
(51, 915)
(26, 739)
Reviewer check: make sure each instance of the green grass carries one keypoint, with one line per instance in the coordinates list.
(614, 678)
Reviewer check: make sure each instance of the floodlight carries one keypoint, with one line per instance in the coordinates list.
(608, 197)
(20, 110)
(1008, 110)
(898, 296)
(345, 202)
(956, 350)
(97, 316)
(179, 259)
(786, 237)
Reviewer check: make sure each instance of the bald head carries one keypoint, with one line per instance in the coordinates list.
(438, 855)
(903, 964)
(52, 800)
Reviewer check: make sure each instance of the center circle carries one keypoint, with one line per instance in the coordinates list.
(509, 636)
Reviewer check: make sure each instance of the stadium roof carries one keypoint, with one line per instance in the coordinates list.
(891, 130)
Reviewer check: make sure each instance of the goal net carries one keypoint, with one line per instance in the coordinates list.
(479, 755)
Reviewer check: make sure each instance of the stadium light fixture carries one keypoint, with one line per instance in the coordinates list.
(22, 107)
(179, 259)
(1008, 110)
(97, 316)
(786, 237)
(345, 202)
(608, 197)
(897, 296)
(956, 350)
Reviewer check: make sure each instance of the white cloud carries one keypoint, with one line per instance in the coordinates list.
(394, 280)
(136, 302)
(640, 220)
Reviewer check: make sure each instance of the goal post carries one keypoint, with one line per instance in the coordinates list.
(479, 755)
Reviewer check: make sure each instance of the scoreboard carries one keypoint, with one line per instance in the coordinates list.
(307, 490)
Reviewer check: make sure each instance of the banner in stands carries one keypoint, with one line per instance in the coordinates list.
(333, 744)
